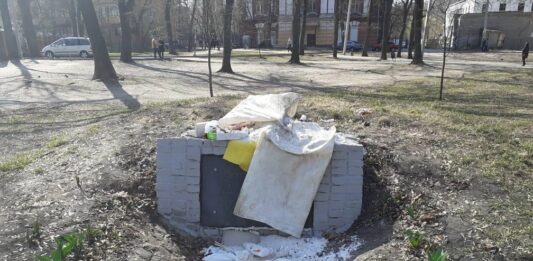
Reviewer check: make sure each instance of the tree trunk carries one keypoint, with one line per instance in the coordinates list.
(302, 30)
(79, 17)
(11, 41)
(405, 14)
(386, 29)
(73, 17)
(191, 24)
(335, 26)
(443, 61)
(268, 26)
(28, 28)
(369, 28)
(295, 54)
(103, 68)
(208, 38)
(125, 8)
(347, 27)
(226, 60)
(411, 39)
(417, 16)
(168, 8)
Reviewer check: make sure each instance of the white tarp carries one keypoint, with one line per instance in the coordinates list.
(284, 175)
(288, 164)
(260, 109)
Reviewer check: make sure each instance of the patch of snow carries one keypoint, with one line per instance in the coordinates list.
(283, 248)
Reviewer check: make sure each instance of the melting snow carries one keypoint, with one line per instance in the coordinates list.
(283, 248)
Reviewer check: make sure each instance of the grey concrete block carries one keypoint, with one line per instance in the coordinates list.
(343, 196)
(355, 171)
(193, 142)
(207, 148)
(219, 150)
(324, 188)
(336, 210)
(342, 147)
(343, 189)
(340, 155)
(194, 152)
(193, 188)
(347, 180)
(320, 196)
(192, 180)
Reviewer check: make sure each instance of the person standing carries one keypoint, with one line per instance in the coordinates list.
(525, 53)
(155, 47)
(161, 49)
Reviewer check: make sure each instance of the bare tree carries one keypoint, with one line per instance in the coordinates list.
(226, 59)
(168, 25)
(207, 30)
(125, 8)
(386, 29)
(295, 54)
(303, 29)
(406, 6)
(11, 41)
(103, 68)
(417, 30)
(336, 16)
(268, 27)
(72, 11)
(28, 28)
(191, 26)
(347, 27)
(369, 27)
(411, 39)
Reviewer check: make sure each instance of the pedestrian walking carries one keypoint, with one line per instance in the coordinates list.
(289, 45)
(155, 46)
(161, 49)
(525, 53)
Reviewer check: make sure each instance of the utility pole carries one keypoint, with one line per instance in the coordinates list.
(347, 27)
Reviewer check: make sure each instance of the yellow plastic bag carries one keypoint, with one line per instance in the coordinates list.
(240, 153)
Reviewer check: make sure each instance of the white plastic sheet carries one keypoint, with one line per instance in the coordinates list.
(280, 186)
(261, 109)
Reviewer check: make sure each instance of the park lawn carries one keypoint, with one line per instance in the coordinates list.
(468, 157)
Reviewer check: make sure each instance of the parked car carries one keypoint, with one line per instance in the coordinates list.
(350, 46)
(392, 46)
(69, 46)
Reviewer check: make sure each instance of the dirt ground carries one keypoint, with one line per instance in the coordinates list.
(78, 155)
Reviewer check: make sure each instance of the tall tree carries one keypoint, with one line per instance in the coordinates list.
(386, 29)
(418, 16)
(79, 17)
(303, 29)
(103, 68)
(295, 54)
(208, 37)
(369, 27)
(125, 9)
(191, 26)
(406, 5)
(11, 41)
(411, 39)
(347, 27)
(72, 12)
(226, 59)
(168, 8)
(336, 15)
(268, 26)
(28, 28)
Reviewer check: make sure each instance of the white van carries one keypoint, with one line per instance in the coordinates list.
(68, 46)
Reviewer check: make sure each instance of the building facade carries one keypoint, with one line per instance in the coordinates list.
(320, 22)
(509, 23)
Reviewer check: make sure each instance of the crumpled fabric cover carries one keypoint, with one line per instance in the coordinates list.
(261, 109)
(284, 175)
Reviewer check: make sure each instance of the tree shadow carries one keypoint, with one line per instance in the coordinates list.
(3, 63)
(120, 94)
(23, 70)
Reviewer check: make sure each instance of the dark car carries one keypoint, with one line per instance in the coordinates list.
(350, 46)
(392, 46)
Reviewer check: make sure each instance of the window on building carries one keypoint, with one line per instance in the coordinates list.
(503, 6)
(521, 7)
(327, 6)
(259, 8)
(114, 11)
(311, 6)
(285, 7)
